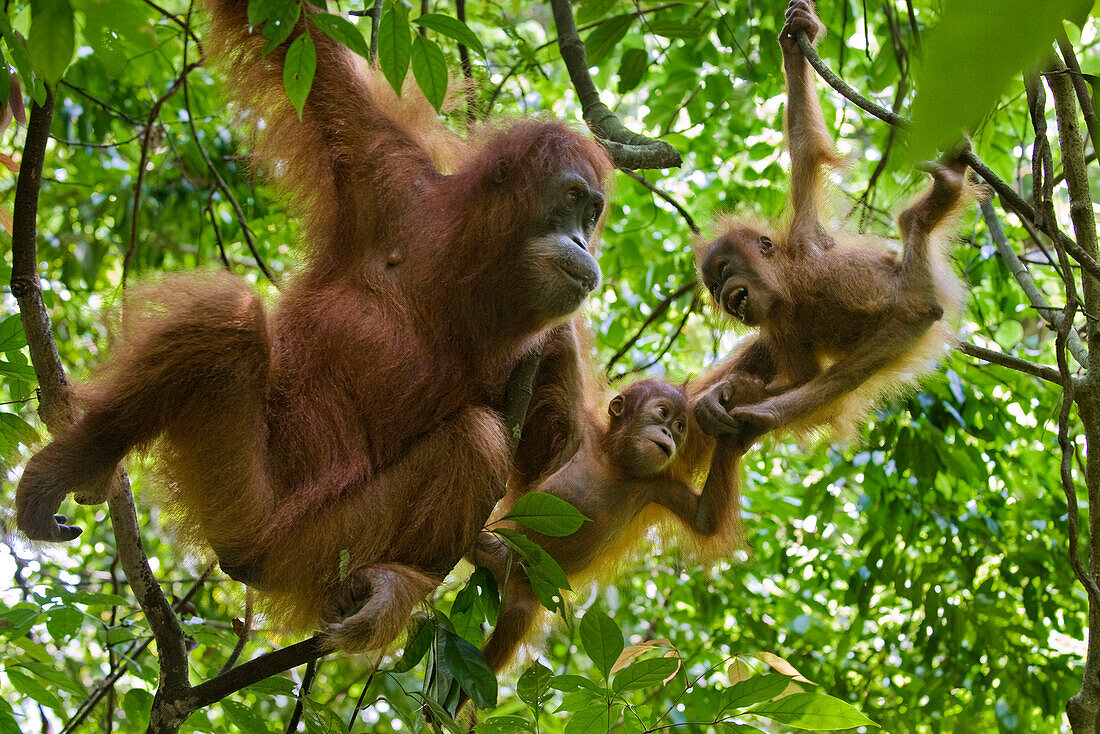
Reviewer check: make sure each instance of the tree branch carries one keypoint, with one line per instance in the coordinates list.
(628, 150)
(1007, 194)
(664, 195)
(1038, 301)
(657, 313)
(1013, 363)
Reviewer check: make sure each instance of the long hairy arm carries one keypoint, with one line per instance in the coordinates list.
(344, 141)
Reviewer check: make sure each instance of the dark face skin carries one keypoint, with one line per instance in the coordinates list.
(561, 271)
(734, 271)
(655, 430)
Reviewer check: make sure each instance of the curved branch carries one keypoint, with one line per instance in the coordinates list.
(664, 195)
(1010, 362)
(628, 150)
(1007, 194)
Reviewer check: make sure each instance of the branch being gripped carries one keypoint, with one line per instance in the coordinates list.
(1007, 194)
(629, 150)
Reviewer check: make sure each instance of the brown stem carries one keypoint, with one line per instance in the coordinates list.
(628, 150)
(1013, 363)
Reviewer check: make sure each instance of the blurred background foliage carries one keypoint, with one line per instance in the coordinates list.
(920, 574)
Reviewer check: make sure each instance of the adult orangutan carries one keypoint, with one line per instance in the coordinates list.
(342, 451)
(841, 319)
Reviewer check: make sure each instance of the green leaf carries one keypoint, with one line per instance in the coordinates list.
(601, 41)
(504, 725)
(471, 670)
(52, 38)
(343, 31)
(298, 70)
(137, 703)
(488, 595)
(320, 719)
(30, 687)
(430, 69)
(591, 10)
(645, 673)
(813, 711)
(395, 46)
(466, 612)
(1009, 335)
(63, 622)
(244, 718)
(416, 647)
(22, 60)
(568, 683)
(12, 336)
(601, 639)
(597, 718)
(754, 690)
(543, 572)
(675, 29)
(16, 621)
(547, 514)
(632, 69)
(274, 686)
(22, 372)
(452, 28)
(997, 41)
(534, 684)
(278, 18)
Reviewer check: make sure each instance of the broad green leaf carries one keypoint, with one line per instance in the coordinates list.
(754, 690)
(488, 595)
(596, 719)
(601, 639)
(591, 10)
(504, 725)
(675, 29)
(536, 558)
(298, 71)
(17, 48)
(14, 431)
(137, 703)
(417, 646)
(244, 718)
(429, 67)
(395, 46)
(568, 683)
(28, 686)
(52, 38)
(470, 669)
(632, 69)
(63, 622)
(466, 614)
(813, 711)
(343, 31)
(1009, 334)
(22, 372)
(278, 18)
(12, 336)
(645, 673)
(603, 39)
(452, 28)
(276, 685)
(969, 58)
(439, 714)
(533, 685)
(16, 621)
(320, 719)
(544, 513)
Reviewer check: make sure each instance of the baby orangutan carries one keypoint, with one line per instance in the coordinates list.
(842, 320)
(643, 459)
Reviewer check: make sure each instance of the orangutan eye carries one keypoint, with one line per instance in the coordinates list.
(662, 411)
(571, 197)
(766, 245)
(679, 426)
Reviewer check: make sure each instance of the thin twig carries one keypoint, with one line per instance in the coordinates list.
(303, 691)
(656, 314)
(1013, 363)
(222, 185)
(243, 635)
(146, 140)
(1034, 296)
(665, 349)
(664, 195)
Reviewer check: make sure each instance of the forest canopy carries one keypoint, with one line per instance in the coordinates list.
(933, 574)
